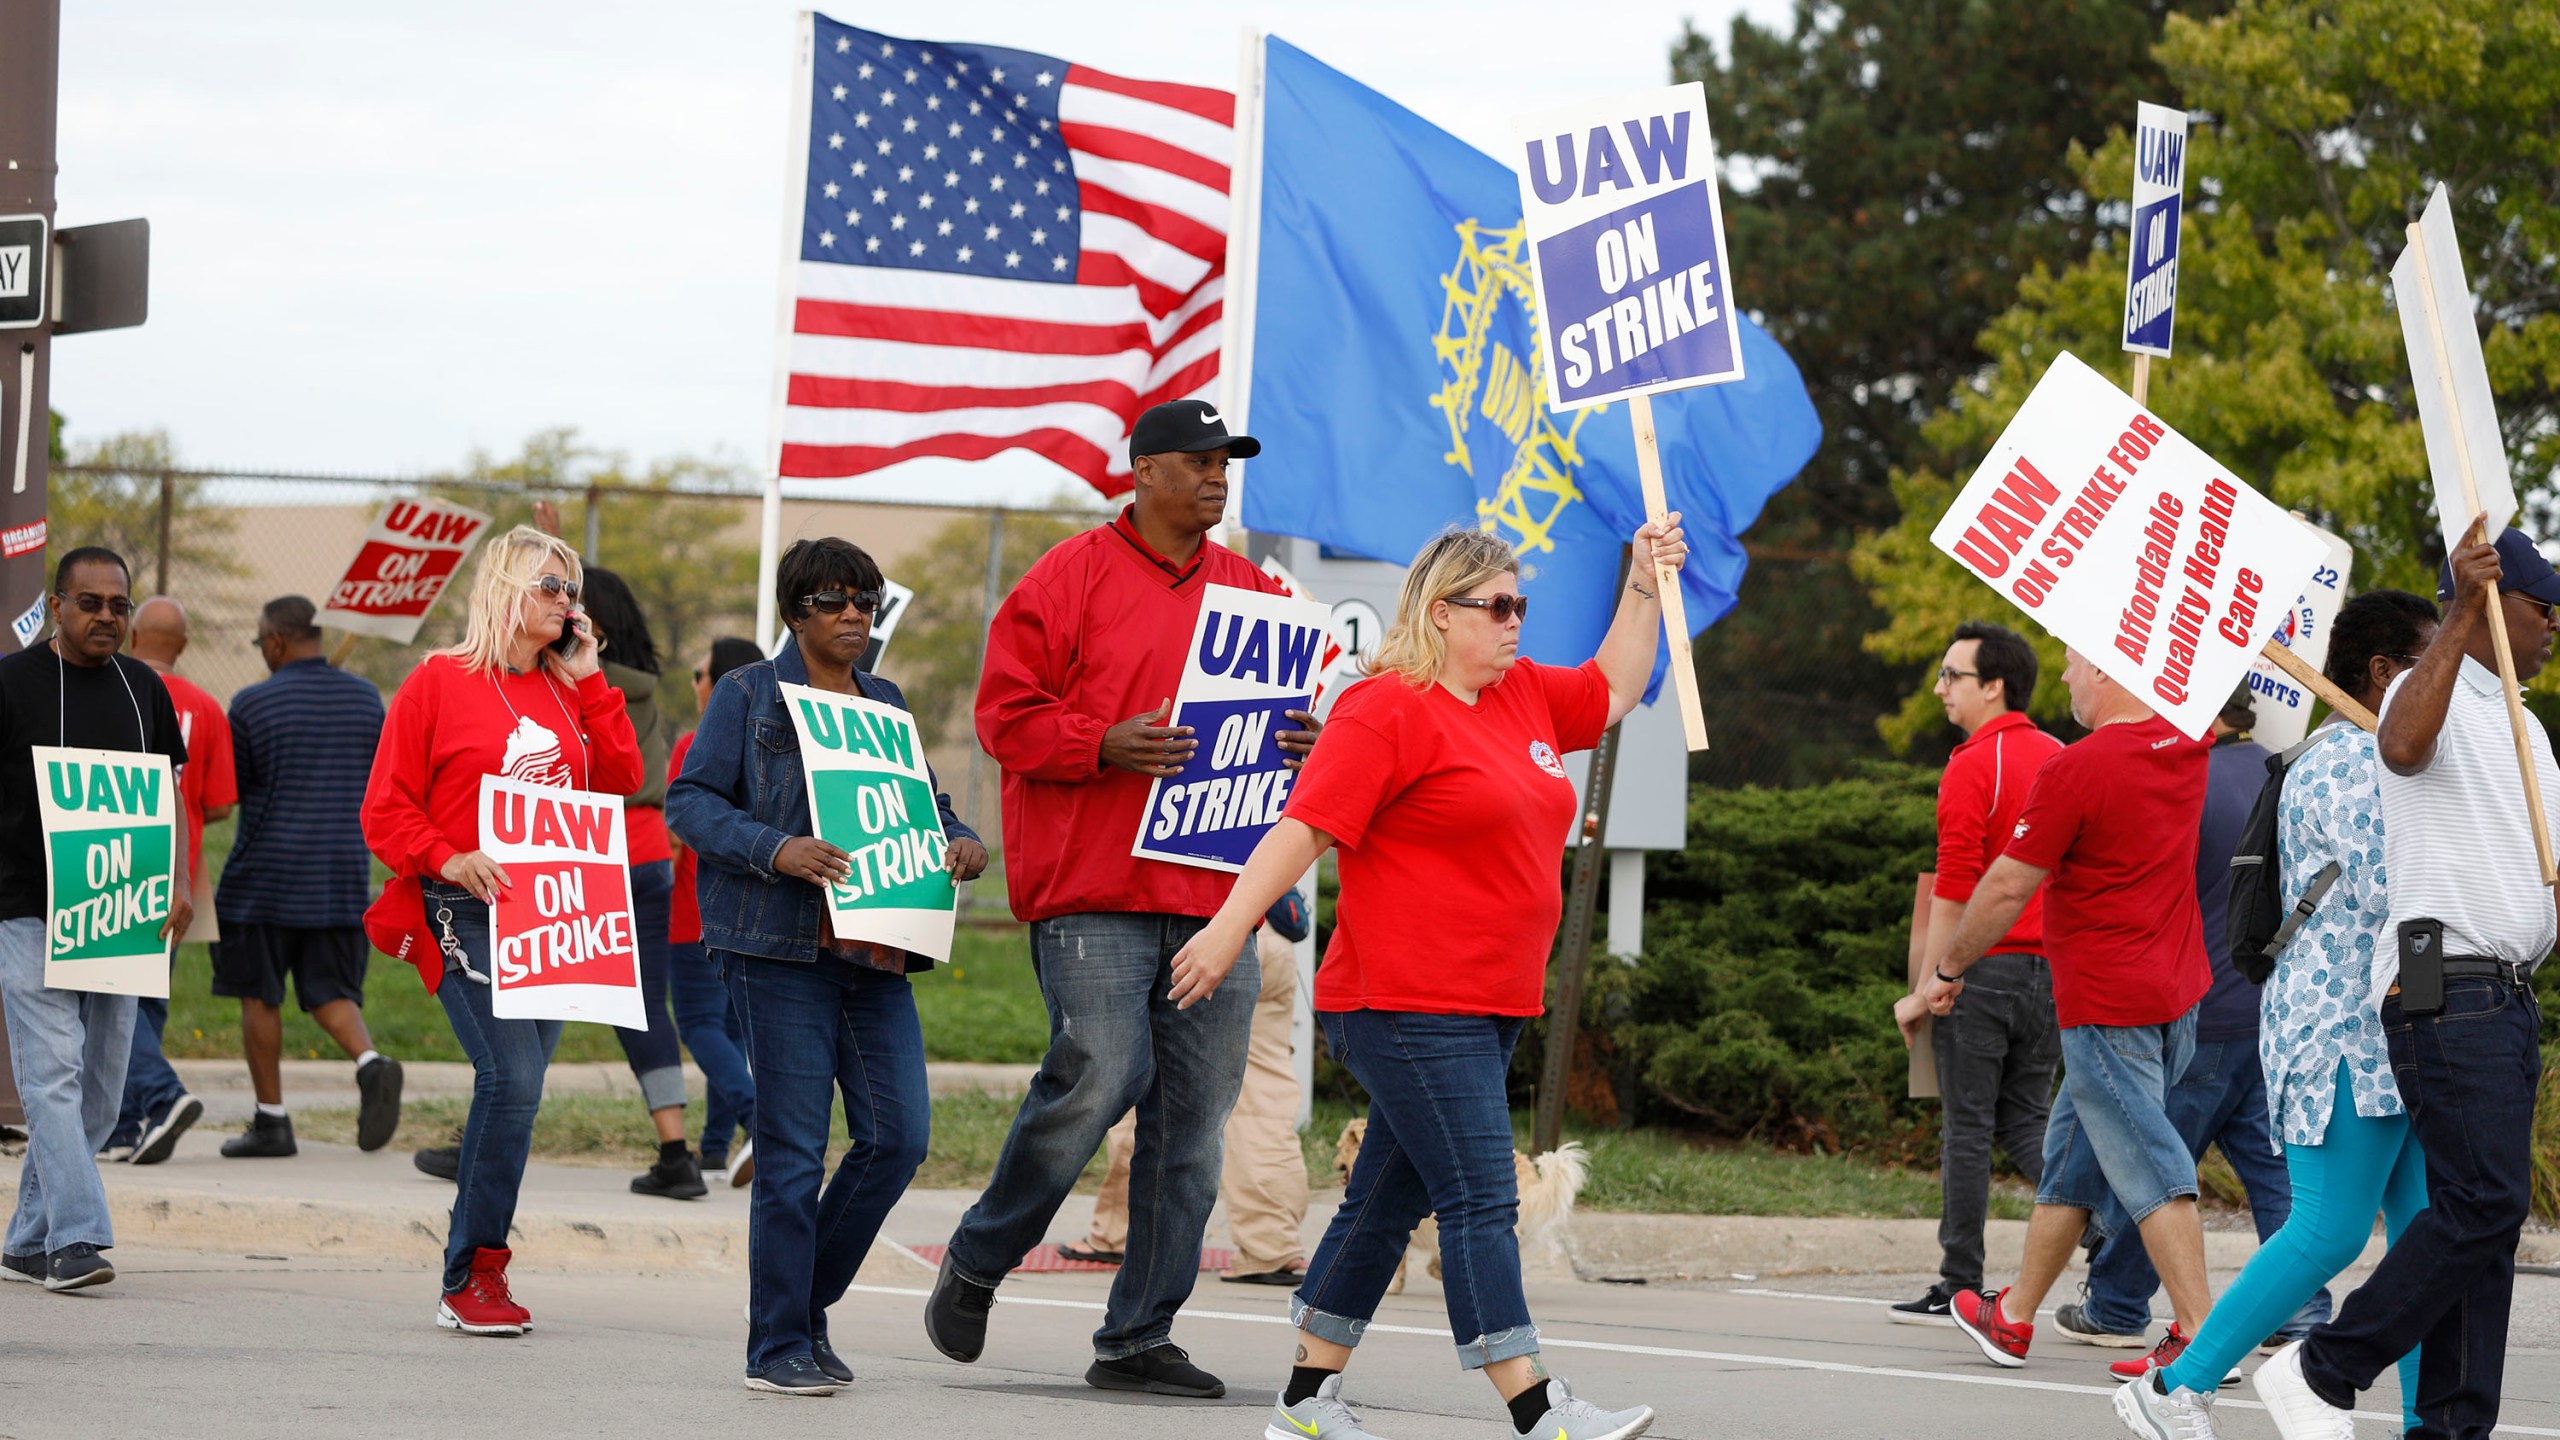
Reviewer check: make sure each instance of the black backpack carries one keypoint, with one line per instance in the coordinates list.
(2260, 925)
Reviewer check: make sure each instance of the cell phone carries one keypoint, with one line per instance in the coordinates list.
(568, 641)
(2421, 968)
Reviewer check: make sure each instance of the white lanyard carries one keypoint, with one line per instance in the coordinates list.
(62, 704)
(585, 747)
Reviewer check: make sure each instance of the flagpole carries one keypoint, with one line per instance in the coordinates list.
(1244, 232)
(795, 183)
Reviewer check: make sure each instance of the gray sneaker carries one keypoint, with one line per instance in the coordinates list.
(1321, 1416)
(1570, 1417)
(2156, 1414)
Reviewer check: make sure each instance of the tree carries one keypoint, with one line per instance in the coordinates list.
(117, 504)
(941, 641)
(2322, 127)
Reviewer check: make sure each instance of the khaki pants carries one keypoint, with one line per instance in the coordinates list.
(1264, 1177)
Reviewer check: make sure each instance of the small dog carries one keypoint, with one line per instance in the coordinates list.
(1547, 1185)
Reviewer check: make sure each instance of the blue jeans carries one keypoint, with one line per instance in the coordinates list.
(2221, 1099)
(709, 1026)
(655, 1060)
(150, 1086)
(2469, 1077)
(814, 1029)
(67, 1051)
(2109, 1138)
(1439, 1142)
(508, 1058)
(1115, 1042)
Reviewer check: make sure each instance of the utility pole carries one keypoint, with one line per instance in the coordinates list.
(30, 58)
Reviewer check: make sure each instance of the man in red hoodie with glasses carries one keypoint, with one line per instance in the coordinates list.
(1082, 664)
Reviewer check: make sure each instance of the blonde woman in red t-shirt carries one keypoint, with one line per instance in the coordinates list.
(1441, 780)
(521, 696)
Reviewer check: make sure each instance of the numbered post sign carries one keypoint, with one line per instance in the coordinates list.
(1253, 658)
(871, 796)
(2151, 264)
(2283, 706)
(409, 554)
(2129, 544)
(110, 826)
(564, 942)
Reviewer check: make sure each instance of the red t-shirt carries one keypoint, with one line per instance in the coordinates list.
(1979, 800)
(207, 780)
(684, 911)
(1451, 819)
(2113, 821)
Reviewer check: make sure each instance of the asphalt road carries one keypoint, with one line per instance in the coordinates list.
(219, 1346)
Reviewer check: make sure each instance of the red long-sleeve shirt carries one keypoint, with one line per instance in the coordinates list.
(1979, 799)
(447, 727)
(1093, 635)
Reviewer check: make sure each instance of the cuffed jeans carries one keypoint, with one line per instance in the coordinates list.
(1116, 1040)
(1439, 1142)
(2469, 1077)
(150, 1086)
(508, 1058)
(1996, 1054)
(2109, 1136)
(2220, 1100)
(67, 1052)
(708, 1024)
(815, 1029)
(655, 1060)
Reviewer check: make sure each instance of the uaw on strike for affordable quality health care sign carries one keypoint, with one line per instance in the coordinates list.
(563, 940)
(2129, 544)
(871, 796)
(1627, 238)
(110, 826)
(1253, 659)
(409, 554)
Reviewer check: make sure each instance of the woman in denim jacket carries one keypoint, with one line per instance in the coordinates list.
(820, 1013)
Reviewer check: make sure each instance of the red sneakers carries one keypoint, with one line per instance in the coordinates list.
(2003, 1341)
(482, 1306)
(2162, 1356)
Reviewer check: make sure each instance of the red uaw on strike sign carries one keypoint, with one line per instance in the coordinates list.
(412, 550)
(564, 943)
(2129, 544)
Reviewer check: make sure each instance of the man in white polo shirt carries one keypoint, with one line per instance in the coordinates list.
(2471, 919)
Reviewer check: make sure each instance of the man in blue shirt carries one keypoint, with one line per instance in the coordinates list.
(292, 897)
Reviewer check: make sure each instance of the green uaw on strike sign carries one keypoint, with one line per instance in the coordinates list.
(872, 797)
(110, 824)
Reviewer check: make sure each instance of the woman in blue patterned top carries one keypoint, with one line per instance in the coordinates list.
(2333, 1103)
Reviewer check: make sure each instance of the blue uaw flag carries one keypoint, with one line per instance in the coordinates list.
(1398, 387)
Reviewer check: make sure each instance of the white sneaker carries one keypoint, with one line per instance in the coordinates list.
(2298, 1413)
(2179, 1414)
(1321, 1416)
(1573, 1418)
(742, 1164)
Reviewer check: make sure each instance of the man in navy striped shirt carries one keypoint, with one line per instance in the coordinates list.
(293, 894)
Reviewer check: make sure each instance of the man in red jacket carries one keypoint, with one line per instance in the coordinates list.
(1082, 664)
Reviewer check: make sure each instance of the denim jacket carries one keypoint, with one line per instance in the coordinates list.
(742, 795)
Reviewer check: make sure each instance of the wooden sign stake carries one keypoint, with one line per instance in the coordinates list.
(2496, 617)
(2142, 380)
(1675, 610)
(346, 646)
(2319, 684)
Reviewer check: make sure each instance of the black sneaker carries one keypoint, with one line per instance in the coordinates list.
(29, 1268)
(268, 1137)
(829, 1361)
(76, 1267)
(378, 1102)
(955, 1314)
(1165, 1370)
(1929, 1309)
(160, 1139)
(798, 1375)
(2074, 1322)
(442, 1161)
(674, 1177)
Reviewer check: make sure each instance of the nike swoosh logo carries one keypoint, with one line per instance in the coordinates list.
(1305, 1429)
(1209, 416)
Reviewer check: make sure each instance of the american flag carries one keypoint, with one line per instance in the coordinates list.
(998, 250)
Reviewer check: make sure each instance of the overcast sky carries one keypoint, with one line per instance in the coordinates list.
(384, 236)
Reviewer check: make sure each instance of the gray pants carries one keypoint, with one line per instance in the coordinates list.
(1997, 1052)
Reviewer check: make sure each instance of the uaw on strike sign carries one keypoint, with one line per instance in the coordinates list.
(1253, 658)
(871, 796)
(2129, 544)
(409, 554)
(110, 825)
(563, 941)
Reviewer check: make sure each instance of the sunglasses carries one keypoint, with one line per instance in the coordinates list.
(1503, 607)
(700, 675)
(833, 602)
(88, 604)
(555, 587)
(1948, 675)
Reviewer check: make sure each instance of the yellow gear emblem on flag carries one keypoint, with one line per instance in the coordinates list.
(1485, 381)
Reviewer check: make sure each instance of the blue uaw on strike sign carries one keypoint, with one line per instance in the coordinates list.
(1626, 234)
(2151, 266)
(1253, 658)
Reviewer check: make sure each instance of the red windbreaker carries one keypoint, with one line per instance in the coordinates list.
(1979, 799)
(1094, 635)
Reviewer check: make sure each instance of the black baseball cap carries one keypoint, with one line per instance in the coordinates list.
(1188, 426)
(2521, 570)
